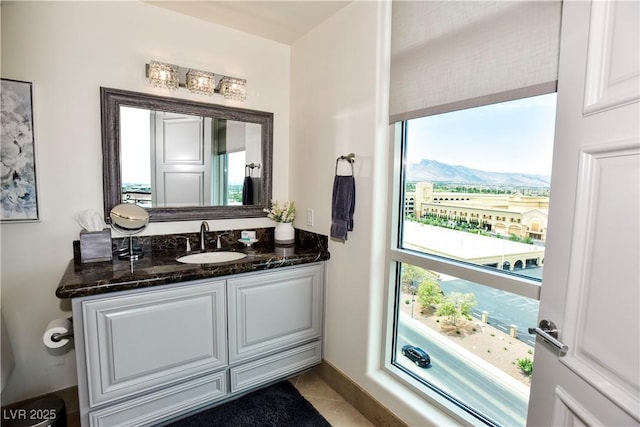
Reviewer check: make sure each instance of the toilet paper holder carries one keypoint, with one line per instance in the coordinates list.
(57, 337)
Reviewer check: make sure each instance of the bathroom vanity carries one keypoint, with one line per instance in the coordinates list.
(169, 339)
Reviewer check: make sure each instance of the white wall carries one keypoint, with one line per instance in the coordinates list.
(68, 50)
(339, 87)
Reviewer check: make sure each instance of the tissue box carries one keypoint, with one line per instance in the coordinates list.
(95, 246)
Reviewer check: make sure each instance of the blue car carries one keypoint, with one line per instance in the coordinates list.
(417, 355)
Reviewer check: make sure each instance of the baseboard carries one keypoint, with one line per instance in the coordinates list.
(362, 401)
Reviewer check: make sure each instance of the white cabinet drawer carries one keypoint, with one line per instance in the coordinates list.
(271, 311)
(275, 367)
(138, 342)
(151, 409)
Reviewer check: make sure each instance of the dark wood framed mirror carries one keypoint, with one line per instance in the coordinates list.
(198, 153)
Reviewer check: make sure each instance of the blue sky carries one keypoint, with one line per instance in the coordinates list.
(515, 136)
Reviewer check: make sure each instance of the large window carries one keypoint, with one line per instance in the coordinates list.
(468, 254)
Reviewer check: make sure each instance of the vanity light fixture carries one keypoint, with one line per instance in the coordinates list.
(171, 76)
(163, 75)
(202, 82)
(233, 88)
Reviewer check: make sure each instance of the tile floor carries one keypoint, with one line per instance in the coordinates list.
(327, 401)
(337, 411)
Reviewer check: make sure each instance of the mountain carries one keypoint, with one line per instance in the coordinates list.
(434, 171)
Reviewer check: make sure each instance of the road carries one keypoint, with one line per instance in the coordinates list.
(505, 309)
(500, 399)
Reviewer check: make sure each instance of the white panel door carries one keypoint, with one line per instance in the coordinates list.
(139, 342)
(591, 282)
(272, 311)
(182, 165)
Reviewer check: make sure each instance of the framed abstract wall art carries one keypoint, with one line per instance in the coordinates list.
(18, 191)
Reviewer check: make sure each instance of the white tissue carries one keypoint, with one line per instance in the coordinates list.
(90, 220)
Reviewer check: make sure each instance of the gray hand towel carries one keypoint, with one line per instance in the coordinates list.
(257, 199)
(343, 206)
(247, 191)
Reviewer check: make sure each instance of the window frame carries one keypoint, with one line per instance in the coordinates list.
(396, 255)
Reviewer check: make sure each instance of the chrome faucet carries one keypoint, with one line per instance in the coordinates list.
(203, 228)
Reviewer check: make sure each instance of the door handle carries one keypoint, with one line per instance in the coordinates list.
(549, 333)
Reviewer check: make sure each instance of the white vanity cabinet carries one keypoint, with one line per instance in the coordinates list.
(149, 355)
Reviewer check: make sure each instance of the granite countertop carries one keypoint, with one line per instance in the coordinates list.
(161, 268)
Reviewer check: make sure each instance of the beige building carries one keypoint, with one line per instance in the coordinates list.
(506, 214)
(470, 247)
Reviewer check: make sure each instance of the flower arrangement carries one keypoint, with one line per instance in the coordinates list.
(284, 213)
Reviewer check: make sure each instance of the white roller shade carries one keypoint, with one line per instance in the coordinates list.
(449, 55)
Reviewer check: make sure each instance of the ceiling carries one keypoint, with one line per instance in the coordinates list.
(281, 21)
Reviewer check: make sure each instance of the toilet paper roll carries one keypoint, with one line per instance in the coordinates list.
(57, 326)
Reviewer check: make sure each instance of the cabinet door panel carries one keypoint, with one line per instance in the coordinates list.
(142, 341)
(271, 311)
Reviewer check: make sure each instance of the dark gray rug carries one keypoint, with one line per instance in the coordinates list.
(279, 405)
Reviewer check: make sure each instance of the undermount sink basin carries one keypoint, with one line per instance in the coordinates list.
(211, 257)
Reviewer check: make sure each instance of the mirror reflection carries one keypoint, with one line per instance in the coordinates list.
(177, 160)
(185, 160)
